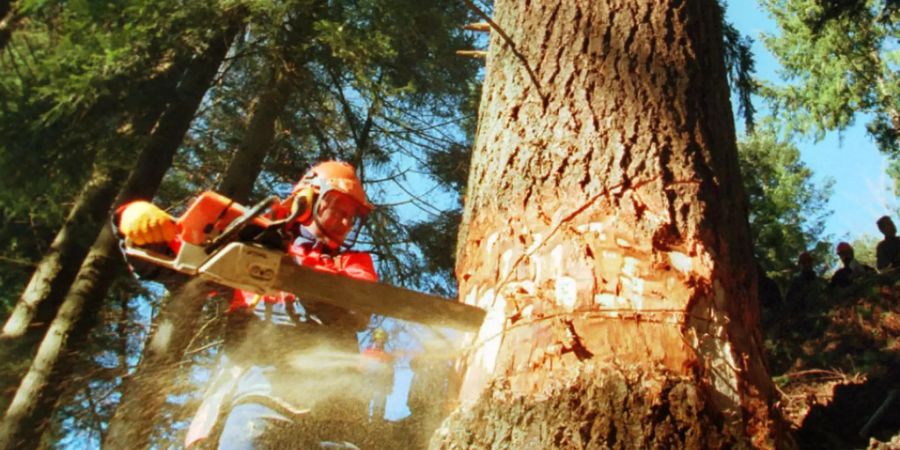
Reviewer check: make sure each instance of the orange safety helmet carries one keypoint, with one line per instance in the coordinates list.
(322, 178)
(843, 247)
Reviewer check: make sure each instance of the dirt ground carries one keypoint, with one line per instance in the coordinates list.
(836, 360)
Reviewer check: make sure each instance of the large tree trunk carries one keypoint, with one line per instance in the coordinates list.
(606, 233)
(30, 410)
(144, 392)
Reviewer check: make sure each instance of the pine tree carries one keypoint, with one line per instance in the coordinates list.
(28, 413)
(839, 64)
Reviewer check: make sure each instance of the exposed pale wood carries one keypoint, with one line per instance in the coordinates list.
(472, 53)
(483, 27)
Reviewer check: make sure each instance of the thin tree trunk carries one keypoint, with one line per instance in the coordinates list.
(144, 392)
(606, 233)
(56, 270)
(58, 267)
(31, 408)
(29, 412)
(9, 19)
(246, 163)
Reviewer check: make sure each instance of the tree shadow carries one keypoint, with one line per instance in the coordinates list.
(836, 360)
(845, 421)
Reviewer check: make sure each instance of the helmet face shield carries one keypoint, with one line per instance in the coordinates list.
(335, 175)
(337, 214)
(339, 201)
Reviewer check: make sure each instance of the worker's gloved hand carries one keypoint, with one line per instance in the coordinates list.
(144, 223)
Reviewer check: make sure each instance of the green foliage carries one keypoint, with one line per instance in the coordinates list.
(69, 79)
(787, 210)
(740, 65)
(864, 249)
(374, 82)
(404, 45)
(840, 62)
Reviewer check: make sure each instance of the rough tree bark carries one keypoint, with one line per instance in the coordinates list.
(144, 392)
(29, 412)
(606, 233)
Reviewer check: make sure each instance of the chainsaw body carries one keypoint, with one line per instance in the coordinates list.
(245, 266)
(223, 242)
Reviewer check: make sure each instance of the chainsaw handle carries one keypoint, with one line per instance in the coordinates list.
(158, 259)
(188, 260)
(238, 224)
(153, 257)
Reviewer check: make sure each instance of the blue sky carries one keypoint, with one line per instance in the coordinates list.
(862, 190)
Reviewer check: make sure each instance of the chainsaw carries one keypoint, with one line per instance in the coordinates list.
(225, 243)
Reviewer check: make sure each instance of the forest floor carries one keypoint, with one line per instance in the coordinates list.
(836, 362)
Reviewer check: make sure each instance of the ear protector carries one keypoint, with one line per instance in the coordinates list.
(302, 205)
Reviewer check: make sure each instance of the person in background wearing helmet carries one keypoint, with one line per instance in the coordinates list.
(852, 269)
(888, 250)
(269, 380)
(379, 374)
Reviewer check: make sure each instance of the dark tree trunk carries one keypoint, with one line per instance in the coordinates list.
(9, 19)
(606, 233)
(40, 299)
(5, 7)
(57, 269)
(247, 161)
(29, 413)
(144, 392)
